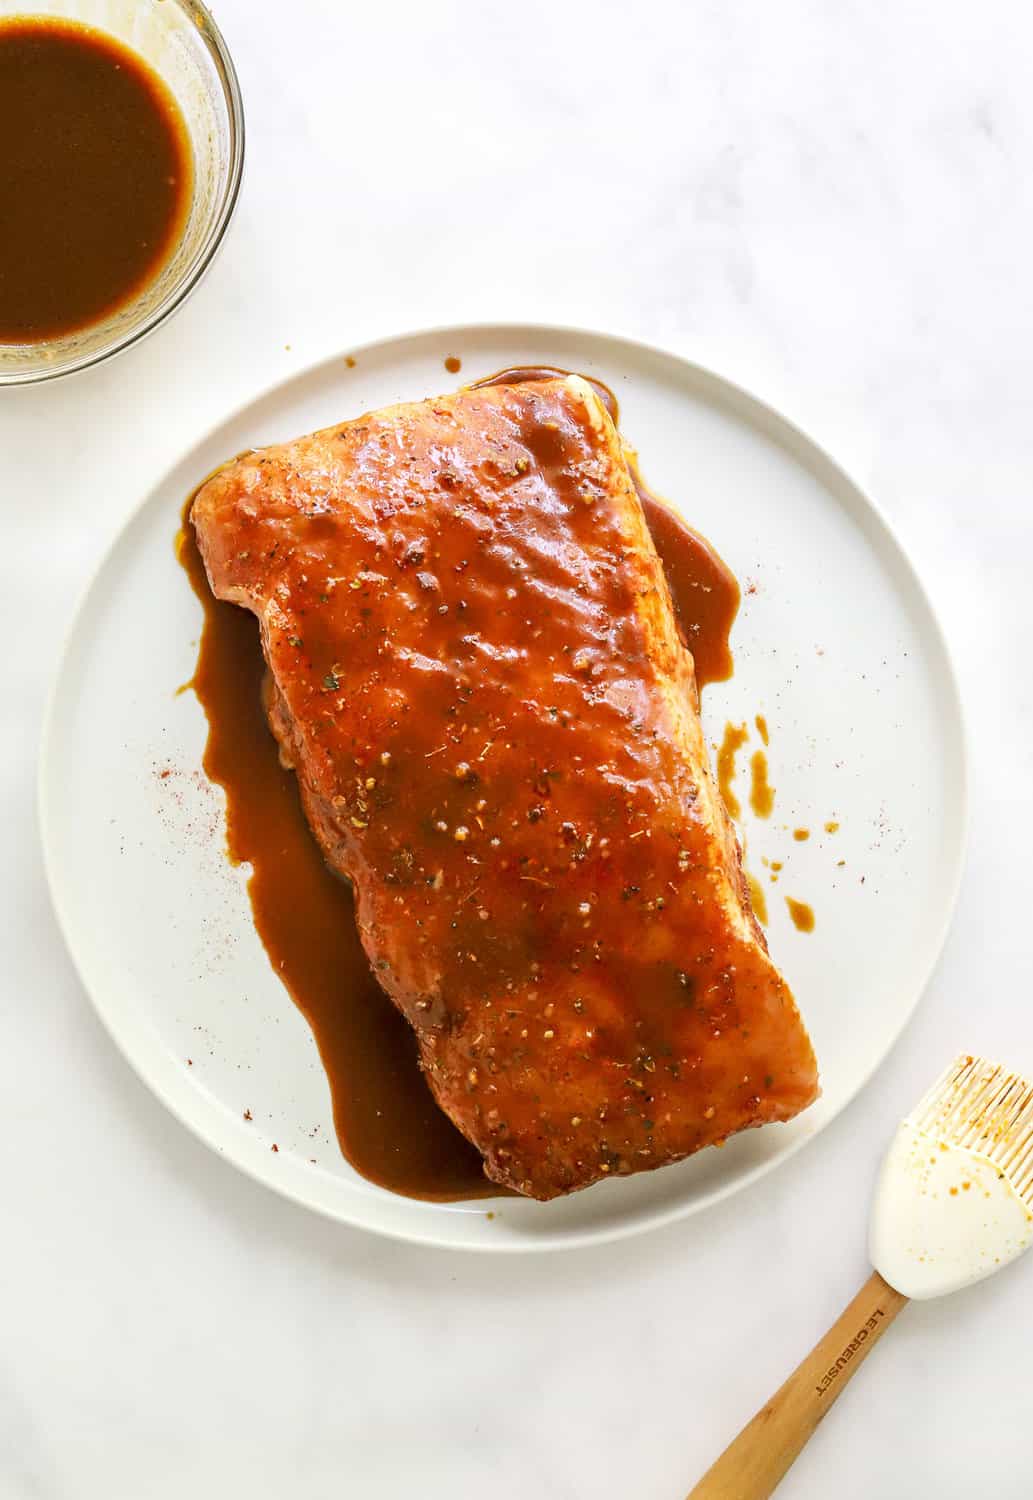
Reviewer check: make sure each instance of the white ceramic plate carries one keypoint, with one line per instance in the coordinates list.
(835, 645)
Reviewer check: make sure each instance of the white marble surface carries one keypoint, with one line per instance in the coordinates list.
(832, 202)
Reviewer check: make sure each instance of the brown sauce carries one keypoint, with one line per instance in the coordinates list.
(95, 176)
(762, 793)
(705, 591)
(758, 900)
(453, 365)
(527, 374)
(731, 744)
(387, 1122)
(802, 915)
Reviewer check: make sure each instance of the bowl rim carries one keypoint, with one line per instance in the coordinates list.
(219, 52)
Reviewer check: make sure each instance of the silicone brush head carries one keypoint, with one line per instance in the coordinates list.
(954, 1199)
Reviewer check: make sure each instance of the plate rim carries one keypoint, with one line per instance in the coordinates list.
(649, 1220)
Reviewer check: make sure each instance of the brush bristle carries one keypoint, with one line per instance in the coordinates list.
(979, 1106)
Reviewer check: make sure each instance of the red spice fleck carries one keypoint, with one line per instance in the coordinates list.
(275, 1146)
(247, 1114)
(190, 1062)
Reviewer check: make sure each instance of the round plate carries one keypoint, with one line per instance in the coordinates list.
(836, 646)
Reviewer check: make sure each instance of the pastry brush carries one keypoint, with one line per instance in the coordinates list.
(953, 1203)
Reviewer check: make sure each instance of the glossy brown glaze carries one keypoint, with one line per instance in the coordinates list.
(704, 589)
(801, 914)
(762, 793)
(95, 176)
(531, 374)
(479, 679)
(387, 1123)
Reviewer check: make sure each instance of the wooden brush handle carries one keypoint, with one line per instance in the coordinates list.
(756, 1462)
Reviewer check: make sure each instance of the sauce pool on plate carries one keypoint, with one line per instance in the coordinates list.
(387, 1122)
(762, 793)
(734, 738)
(801, 914)
(96, 177)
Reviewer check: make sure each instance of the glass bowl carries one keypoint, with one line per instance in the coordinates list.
(181, 42)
